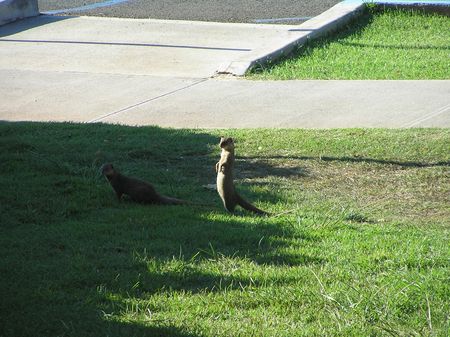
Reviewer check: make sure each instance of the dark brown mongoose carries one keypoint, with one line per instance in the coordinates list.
(225, 184)
(137, 190)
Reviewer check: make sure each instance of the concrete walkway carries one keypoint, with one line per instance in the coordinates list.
(135, 46)
(154, 47)
(141, 72)
(199, 102)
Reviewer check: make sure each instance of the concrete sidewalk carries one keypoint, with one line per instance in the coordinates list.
(154, 47)
(133, 46)
(221, 103)
(141, 72)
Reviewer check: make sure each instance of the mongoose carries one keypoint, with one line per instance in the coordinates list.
(225, 185)
(137, 190)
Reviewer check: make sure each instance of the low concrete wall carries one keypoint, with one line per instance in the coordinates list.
(11, 10)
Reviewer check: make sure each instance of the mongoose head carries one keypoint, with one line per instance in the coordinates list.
(226, 143)
(108, 170)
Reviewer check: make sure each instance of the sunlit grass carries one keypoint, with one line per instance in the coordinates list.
(363, 252)
(391, 44)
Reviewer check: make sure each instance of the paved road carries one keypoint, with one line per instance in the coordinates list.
(251, 11)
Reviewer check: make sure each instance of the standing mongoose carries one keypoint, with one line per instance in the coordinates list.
(137, 190)
(225, 185)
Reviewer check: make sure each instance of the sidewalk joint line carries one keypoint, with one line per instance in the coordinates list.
(98, 119)
(302, 18)
(426, 117)
(128, 44)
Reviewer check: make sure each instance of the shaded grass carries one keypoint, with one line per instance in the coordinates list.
(389, 44)
(365, 251)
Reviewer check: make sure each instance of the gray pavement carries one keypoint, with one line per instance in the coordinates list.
(296, 104)
(154, 47)
(221, 103)
(135, 46)
(141, 72)
(250, 11)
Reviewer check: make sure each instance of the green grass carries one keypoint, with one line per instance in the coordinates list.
(390, 44)
(364, 253)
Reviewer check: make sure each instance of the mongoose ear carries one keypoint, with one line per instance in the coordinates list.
(106, 167)
(222, 140)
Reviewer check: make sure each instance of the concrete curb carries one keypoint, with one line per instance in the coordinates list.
(319, 26)
(12, 10)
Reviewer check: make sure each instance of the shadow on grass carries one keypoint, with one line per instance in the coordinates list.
(72, 257)
(424, 8)
(387, 46)
(256, 167)
(359, 160)
(353, 27)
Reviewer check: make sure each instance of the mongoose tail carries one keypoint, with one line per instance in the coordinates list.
(138, 190)
(249, 207)
(173, 201)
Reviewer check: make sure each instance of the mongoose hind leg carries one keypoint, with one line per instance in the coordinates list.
(230, 206)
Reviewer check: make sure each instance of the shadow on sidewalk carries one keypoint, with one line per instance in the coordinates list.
(30, 23)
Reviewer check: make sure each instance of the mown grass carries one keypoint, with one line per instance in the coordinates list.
(381, 44)
(365, 251)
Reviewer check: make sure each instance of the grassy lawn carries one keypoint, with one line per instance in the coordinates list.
(364, 253)
(390, 44)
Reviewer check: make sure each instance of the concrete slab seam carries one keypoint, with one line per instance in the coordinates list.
(130, 107)
(275, 20)
(427, 117)
(129, 44)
